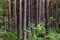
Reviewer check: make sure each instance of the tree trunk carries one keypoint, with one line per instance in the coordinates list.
(52, 10)
(9, 15)
(29, 19)
(20, 18)
(46, 16)
(25, 13)
(56, 14)
(15, 16)
(40, 11)
(37, 13)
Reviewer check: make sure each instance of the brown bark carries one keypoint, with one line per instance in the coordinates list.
(9, 15)
(37, 13)
(32, 10)
(29, 15)
(46, 17)
(25, 13)
(52, 10)
(56, 14)
(52, 7)
(20, 18)
(14, 16)
(40, 11)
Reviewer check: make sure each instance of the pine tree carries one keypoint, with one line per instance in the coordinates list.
(25, 16)
(29, 15)
(9, 15)
(56, 14)
(20, 18)
(46, 17)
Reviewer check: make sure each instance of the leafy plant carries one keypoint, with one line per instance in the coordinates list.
(9, 36)
(52, 35)
(40, 31)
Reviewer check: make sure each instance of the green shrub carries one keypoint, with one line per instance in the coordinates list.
(40, 31)
(53, 35)
(9, 36)
(41, 28)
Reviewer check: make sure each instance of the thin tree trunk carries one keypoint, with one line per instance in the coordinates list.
(52, 7)
(43, 9)
(13, 14)
(46, 16)
(9, 15)
(52, 10)
(29, 14)
(56, 14)
(37, 14)
(14, 20)
(40, 4)
(42, 15)
(20, 18)
(25, 13)
(32, 11)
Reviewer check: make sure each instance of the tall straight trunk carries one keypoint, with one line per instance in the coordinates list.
(40, 11)
(56, 14)
(46, 17)
(20, 18)
(32, 10)
(37, 14)
(5, 22)
(52, 7)
(25, 13)
(43, 9)
(13, 14)
(14, 20)
(9, 15)
(29, 14)
(52, 10)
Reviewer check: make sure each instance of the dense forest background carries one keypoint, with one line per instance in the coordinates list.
(4, 10)
(32, 23)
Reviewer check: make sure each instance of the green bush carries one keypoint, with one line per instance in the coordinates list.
(40, 31)
(9, 36)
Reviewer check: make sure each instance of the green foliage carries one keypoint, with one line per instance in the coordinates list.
(53, 35)
(9, 36)
(58, 30)
(58, 36)
(40, 31)
(41, 28)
